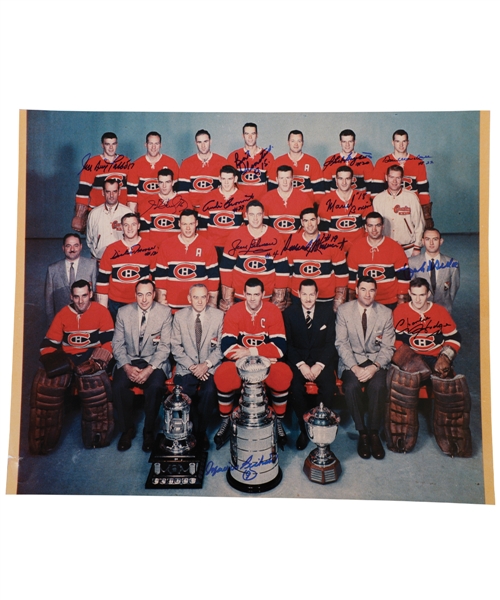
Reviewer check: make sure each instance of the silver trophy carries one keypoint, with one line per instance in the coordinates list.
(253, 438)
(322, 466)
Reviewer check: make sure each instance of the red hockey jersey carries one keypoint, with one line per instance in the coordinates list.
(284, 215)
(361, 165)
(307, 173)
(159, 220)
(414, 180)
(198, 177)
(252, 178)
(96, 170)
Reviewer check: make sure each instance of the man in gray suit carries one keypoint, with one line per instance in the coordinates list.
(141, 346)
(441, 271)
(63, 273)
(196, 339)
(365, 344)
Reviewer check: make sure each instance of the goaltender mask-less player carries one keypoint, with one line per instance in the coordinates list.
(427, 341)
(76, 349)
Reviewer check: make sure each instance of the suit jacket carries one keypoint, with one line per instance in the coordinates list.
(57, 292)
(184, 348)
(155, 347)
(447, 277)
(314, 345)
(351, 345)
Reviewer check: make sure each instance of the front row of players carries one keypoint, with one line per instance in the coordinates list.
(376, 347)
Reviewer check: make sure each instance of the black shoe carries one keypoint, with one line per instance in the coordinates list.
(222, 435)
(378, 451)
(125, 440)
(282, 439)
(302, 441)
(148, 441)
(364, 446)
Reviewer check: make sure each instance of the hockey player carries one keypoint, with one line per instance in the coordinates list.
(342, 210)
(403, 217)
(253, 327)
(361, 166)
(316, 256)
(282, 205)
(252, 163)
(96, 170)
(142, 181)
(76, 349)
(427, 341)
(183, 260)
(251, 250)
(307, 173)
(415, 173)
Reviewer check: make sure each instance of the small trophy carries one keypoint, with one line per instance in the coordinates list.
(322, 466)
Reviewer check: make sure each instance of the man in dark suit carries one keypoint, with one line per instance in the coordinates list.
(196, 348)
(63, 273)
(310, 335)
(365, 343)
(141, 346)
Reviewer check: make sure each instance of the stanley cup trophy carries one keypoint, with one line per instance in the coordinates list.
(322, 466)
(177, 462)
(254, 457)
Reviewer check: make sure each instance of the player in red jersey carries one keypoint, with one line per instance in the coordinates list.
(199, 173)
(160, 214)
(317, 256)
(252, 163)
(282, 205)
(183, 260)
(142, 181)
(307, 173)
(252, 328)
(415, 173)
(254, 250)
(342, 210)
(96, 170)
(361, 166)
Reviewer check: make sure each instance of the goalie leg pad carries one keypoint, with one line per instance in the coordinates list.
(452, 406)
(46, 411)
(401, 418)
(97, 409)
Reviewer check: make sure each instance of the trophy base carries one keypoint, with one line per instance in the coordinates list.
(256, 488)
(168, 471)
(323, 473)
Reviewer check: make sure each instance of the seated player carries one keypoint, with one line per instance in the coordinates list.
(427, 341)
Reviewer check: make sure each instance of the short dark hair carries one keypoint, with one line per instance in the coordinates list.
(346, 169)
(165, 173)
(296, 132)
(228, 169)
(284, 169)
(81, 283)
(68, 235)
(400, 132)
(306, 282)
(107, 136)
(419, 282)
(202, 132)
(148, 135)
(374, 215)
(397, 168)
(112, 181)
(307, 210)
(254, 203)
(254, 282)
(347, 132)
(129, 215)
(144, 281)
(249, 125)
(188, 212)
(366, 279)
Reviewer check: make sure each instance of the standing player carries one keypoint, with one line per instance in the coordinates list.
(282, 205)
(142, 182)
(96, 170)
(307, 173)
(252, 163)
(199, 173)
(183, 260)
(361, 166)
(342, 210)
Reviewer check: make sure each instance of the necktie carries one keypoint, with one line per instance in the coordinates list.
(308, 319)
(364, 323)
(143, 327)
(433, 275)
(71, 274)
(197, 332)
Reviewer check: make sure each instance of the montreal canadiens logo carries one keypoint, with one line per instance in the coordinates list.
(185, 271)
(252, 341)
(255, 264)
(346, 224)
(79, 340)
(284, 224)
(298, 183)
(224, 219)
(250, 177)
(422, 343)
(150, 186)
(407, 183)
(164, 222)
(117, 176)
(203, 184)
(310, 269)
(375, 271)
(129, 273)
